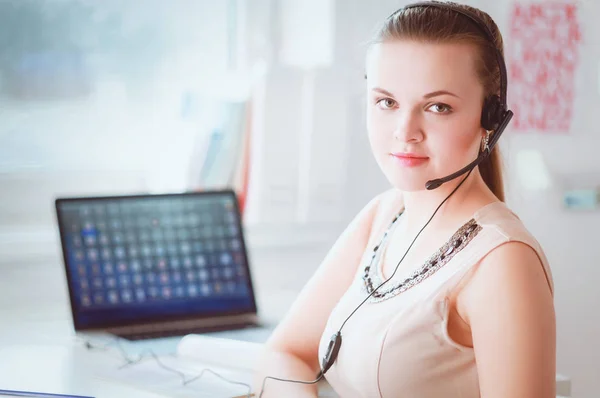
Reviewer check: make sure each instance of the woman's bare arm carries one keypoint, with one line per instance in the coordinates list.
(509, 307)
(292, 350)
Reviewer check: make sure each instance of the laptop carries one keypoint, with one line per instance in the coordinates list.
(156, 265)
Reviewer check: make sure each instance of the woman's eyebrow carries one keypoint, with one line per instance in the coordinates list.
(429, 95)
(440, 92)
(382, 91)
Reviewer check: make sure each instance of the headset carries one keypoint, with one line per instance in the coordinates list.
(495, 116)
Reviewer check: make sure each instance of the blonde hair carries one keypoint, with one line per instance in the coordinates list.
(441, 25)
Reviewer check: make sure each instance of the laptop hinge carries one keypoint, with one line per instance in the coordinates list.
(187, 324)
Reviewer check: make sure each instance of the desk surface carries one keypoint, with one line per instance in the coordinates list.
(57, 369)
(39, 350)
(70, 368)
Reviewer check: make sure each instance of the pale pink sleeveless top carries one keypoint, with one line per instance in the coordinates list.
(397, 344)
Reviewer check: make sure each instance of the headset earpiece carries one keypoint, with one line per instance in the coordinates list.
(492, 113)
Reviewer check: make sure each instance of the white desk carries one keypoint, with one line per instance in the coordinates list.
(58, 369)
(38, 350)
(70, 368)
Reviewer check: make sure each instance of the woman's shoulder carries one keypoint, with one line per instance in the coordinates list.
(511, 236)
(501, 219)
(377, 215)
(389, 204)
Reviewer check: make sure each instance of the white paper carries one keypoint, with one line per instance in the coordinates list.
(242, 355)
(184, 378)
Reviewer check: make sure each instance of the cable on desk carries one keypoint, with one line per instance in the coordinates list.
(184, 379)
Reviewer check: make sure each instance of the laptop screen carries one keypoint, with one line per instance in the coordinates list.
(147, 258)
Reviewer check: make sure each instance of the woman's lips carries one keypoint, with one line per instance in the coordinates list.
(409, 159)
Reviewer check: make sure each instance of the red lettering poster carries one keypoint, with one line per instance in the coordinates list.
(542, 57)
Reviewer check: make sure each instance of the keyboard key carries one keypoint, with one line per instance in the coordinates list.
(126, 296)
(140, 295)
(113, 297)
(111, 282)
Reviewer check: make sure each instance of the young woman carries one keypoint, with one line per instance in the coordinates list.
(439, 292)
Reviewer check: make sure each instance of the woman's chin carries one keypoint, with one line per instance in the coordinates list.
(407, 179)
(406, 185)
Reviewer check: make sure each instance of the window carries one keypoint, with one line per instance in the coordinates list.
(99, 96)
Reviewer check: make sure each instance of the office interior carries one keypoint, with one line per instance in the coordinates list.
(266, 98)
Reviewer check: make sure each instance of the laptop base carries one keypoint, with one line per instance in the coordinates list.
(156, 334)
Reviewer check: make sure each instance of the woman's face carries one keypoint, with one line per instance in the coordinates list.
(423, 110)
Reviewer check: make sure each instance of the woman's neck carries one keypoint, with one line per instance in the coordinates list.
(419, 206)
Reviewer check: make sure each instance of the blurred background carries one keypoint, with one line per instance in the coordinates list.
(267, 97)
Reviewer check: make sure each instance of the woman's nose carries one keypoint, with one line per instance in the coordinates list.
(408, 127)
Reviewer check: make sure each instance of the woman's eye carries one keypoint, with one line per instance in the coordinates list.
(441, 108)
(386, 103)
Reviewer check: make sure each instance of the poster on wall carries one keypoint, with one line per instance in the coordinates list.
(542, 58)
